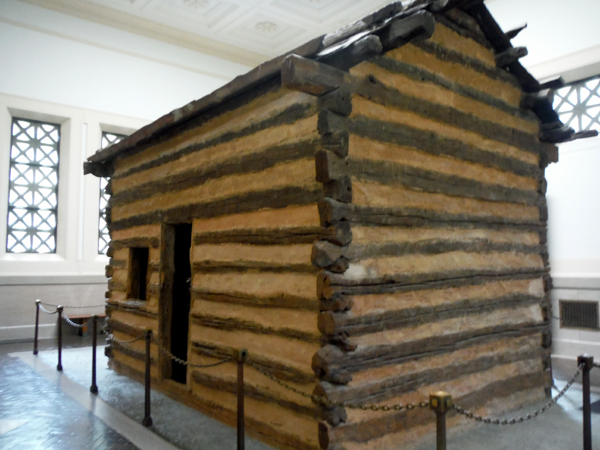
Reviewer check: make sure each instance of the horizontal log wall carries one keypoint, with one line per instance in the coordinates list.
(444, 284)
(245, 179)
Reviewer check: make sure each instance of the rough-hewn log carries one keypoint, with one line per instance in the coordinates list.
(330, 122)
(290, 301)
(510, 56)
(329, 167)
(378, 92)
(336, 142)
(398, 134)
(135, 307)
(278, 369)
(253, 391)
(330, 360)
(347, 56)
(414, 28)
(332, 212)
(332, 323)
(464, 21)
(273, 198)
(340, 189)
(511, 34)
(462, 31)
(341, 294)
(395, 422)
(388, 173)
(360, 25)
(151, 242)
(534, 99)
(326, 255)
(312, 77)
(449, 55)
(422, 74)
(339, 234)
(233, 324)
(211, 266)
(108, 271)
(322, 367)
(553, 83)
(379, 391)
(197, 176)
(338, 101)
(98, 169)
(289, 115)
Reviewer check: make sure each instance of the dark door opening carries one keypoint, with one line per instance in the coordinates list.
(181, 299)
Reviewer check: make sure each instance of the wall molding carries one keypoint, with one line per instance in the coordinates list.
(40, 280)
(576, 283)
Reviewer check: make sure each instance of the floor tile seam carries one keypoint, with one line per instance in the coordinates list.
(114, 419)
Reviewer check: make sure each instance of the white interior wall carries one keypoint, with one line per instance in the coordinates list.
(89, 78)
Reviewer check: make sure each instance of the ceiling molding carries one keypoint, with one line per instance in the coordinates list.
(213, 74)
(138, 25)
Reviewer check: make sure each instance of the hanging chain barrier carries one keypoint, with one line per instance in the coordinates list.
(46, 311)
(73, 307)
(189, 364)
(526, 417)
(328, 403)
(111, 337)
(77, 325)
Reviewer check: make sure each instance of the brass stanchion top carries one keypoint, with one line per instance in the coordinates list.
(440, 402)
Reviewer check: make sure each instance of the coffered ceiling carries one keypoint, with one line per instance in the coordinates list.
(241, 30)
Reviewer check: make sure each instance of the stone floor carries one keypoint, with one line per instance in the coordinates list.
(41, 408)
(36, 414)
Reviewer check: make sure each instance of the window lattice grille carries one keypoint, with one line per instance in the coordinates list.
(579, 314)
(33, 187)
(103, 235)
(578, 105)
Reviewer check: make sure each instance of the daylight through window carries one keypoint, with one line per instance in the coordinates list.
(578, 105)
(33, 187)
(103, 235)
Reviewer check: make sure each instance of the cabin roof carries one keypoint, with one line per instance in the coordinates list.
(471, 16)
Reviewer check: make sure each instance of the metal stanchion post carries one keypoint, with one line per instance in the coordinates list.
(59, 365)
(147, 421)
(240, 398)
(441, 403)
(588, 364)
(37, 324)
(94, 387)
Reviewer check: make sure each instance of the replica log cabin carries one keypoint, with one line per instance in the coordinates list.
(366, 215)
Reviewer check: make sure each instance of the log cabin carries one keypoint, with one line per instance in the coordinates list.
(365, 215)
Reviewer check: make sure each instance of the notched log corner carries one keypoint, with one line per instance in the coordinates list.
(309, 76)
(336, 142)
(329, 256)
(414, 28)
(338, 101)
(321, 365)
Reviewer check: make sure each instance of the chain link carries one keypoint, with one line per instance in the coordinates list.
(328, 403)
(526, 417)
(75, 307)
(46, 311)
(111, 337)
(187, 363)
(76, 325)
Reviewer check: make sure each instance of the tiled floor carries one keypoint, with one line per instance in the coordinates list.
(35, 414)
(42, 409)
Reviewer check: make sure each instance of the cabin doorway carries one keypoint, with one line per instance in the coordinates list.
(182, 273)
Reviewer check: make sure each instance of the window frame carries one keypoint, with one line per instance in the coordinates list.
(35, 208)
